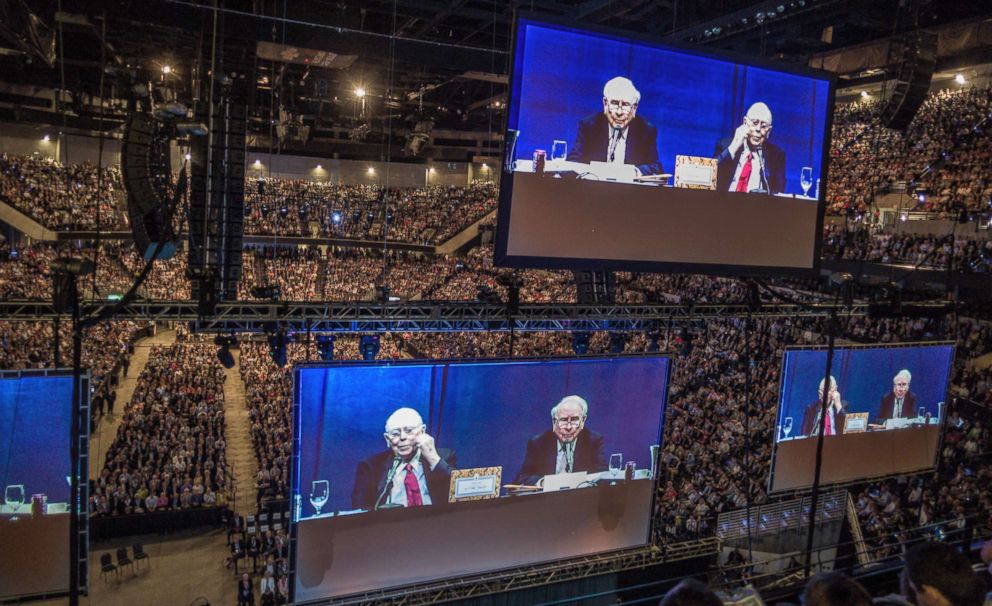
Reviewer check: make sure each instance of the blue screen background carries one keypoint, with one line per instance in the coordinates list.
(863, 376)
(487, 413)
(35, 426)
(694, 101)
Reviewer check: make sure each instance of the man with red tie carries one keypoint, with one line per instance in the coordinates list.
(751, 163)
(413, 472)
(835, 413)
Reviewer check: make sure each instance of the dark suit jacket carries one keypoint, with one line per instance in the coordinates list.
(593, 142)
(542, 455)
(888, 403)
(774, 156)
(809, 418)
(370, 478)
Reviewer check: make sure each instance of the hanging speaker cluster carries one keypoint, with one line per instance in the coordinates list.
(916, 57)
(147, 175)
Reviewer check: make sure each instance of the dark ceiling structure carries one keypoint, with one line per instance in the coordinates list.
(354, 78)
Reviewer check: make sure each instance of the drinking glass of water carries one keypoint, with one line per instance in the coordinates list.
(616, 461)
(806, 179)
(319, 493)
(787, 426)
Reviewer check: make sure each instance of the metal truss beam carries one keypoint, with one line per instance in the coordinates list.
(535, 576)
(420, 317)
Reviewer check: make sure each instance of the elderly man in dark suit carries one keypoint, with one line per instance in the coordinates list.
(900, 403)
(834, 424)
(567, 447)
(413, 472)
(618, 135)
(750, 162)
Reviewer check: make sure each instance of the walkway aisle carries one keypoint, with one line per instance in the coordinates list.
(240, 455)
(106, 429)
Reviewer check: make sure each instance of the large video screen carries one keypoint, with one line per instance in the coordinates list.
(622, 154)
(885, 407)
(35, 436)
(412, 472)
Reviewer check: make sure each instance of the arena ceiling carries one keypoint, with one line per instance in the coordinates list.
(444, 61)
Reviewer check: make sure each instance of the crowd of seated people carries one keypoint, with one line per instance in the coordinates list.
(26, 271)
(867, 158)
(30, 344)
(167, 279)
(922, 250)
(170, 449)
(63, 197)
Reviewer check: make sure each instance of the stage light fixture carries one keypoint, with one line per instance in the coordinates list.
(371, 171)
(166, 69)
(959, 78)
(336, 217)
(618, 342)
(325, 347)
(360, 92)
(368, 345)
(580, 342)
(865, 94)
(277, 346)
(46, 138)
(224, 354)
(188, 156)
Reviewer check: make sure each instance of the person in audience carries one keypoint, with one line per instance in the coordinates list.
(267, 589)
(835, 413)
(618, 135)
(750, 162)
(246, 591)
(567, 447)
(937, 574)
(834, 589)
(900, 403)
(412, 472)
(690, 592)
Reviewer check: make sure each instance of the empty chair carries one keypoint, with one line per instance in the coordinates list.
(138, 553)
(107, 565)
(123, 560)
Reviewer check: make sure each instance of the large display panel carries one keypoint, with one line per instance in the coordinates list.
(36, 416)
(623, 154)
(558, 459)
(884, 415)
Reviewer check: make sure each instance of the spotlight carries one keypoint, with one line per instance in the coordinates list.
(277, 347)
(618, 342)
(224, 350)
(258, 162)
(336, 218)
(284, 212)
(166, 69)
(368, 345)
(865, 94)
(360, 92)
(580, 343)
(188, 156)
(325, 347)
(959, 78)
(319, 167)
(46, 138)
(371, 171)
(271, 293)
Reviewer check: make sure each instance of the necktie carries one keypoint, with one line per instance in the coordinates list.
(828, 429)
(413, 498)
(897, 413)
(745, 174)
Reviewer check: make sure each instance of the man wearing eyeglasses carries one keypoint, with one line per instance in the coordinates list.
(567, 447)
(751, 163)
(411, 473)
(618, 135)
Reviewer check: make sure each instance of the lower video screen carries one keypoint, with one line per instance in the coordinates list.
(35, 463)
(408, 473)
(884, 411)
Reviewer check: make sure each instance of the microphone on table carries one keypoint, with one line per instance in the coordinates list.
(389, 482)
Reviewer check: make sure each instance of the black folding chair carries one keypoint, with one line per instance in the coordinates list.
(138, 553)
(107, 565)
(123, 560)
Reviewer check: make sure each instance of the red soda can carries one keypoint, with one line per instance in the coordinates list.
(539, 157)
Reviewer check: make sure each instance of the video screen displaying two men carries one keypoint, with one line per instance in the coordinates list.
(35, 463)
(640, 143)
(381, 437)
(883, 414)
(463, 452)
